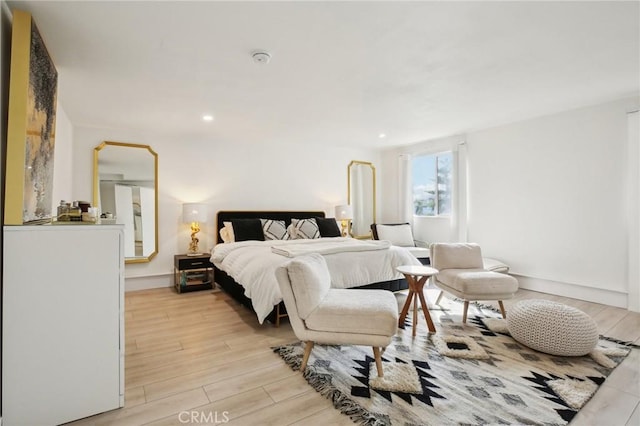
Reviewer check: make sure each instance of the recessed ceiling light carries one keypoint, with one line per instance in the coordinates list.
(382, 136)
(207, 117)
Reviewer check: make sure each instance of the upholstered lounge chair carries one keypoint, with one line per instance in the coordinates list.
(400, 234)
(462, 273)
(321, 314)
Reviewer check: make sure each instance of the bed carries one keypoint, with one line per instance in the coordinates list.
(246, 270)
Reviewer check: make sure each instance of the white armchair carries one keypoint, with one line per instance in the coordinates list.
(319, 313)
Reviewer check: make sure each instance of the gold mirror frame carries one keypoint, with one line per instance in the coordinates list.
(96, 190)
(351, 199)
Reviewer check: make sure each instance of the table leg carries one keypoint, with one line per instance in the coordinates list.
(415, 314)
(405, 310)
(427, 314)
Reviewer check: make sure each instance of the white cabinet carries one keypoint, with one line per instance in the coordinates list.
(62, 323)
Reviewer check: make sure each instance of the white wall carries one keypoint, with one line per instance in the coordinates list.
(548, 196)
(248, 176)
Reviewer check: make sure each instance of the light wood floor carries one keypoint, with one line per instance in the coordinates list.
(201, 354)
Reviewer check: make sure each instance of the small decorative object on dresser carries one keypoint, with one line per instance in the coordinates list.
(192, 273)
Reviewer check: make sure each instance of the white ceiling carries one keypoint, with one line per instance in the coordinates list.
(341, 72)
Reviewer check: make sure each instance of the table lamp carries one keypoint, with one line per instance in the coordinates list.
(194, 214)
(344, 213)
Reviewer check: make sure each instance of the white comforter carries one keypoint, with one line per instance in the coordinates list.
(252, 264)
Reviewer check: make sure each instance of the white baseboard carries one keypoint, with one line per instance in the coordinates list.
(574, 291)
(144, 283)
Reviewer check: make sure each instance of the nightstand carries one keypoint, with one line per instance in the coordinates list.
(192, 273)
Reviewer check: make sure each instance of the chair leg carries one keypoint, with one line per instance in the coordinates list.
(504, 313)
(378, 357)
(464, 312)
(305, 358)
(439, 297)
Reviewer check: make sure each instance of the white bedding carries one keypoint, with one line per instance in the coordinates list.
(252, 264)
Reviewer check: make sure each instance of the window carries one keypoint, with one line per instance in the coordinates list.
(432, 185)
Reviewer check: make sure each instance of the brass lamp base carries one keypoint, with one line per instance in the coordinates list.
(344, 224)
(193, 245)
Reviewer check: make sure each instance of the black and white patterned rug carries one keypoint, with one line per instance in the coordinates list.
(473, 374)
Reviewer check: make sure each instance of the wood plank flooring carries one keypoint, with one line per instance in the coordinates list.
(201, 354)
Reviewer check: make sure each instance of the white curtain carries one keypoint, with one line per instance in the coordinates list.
(633, 191)
(358, 205)
(459, 210)
(148, 213)
(124, 215)
(405, 190)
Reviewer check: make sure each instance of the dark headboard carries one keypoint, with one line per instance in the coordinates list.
(227, 215)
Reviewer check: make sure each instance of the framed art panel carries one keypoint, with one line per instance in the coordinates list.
(31, 126)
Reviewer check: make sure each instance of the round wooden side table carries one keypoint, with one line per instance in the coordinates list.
(416, 277)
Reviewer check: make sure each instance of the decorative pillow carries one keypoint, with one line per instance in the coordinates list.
(274, 229)
(398, 235)
(226, 233)
(310, 282)
(328, 227)
(291, 230)
(247, 229)
(305, 228)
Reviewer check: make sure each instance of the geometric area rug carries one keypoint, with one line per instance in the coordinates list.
(473, 374)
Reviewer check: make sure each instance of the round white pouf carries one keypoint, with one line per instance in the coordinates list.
(552, 327)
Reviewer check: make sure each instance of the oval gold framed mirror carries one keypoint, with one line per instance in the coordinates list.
(361, 184)
(125, 186)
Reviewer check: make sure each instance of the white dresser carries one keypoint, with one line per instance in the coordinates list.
(62, 323)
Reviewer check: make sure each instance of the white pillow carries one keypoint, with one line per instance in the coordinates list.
(310, 282)
(226, 233)
(305, 228)
(398, 235)
(274, 229)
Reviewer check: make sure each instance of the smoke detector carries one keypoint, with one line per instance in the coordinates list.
(260, 57)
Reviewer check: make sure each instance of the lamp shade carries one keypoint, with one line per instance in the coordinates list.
(194, 212)
(344, 212)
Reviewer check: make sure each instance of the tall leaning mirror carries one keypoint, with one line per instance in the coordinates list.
(125, 186)
(361, 184)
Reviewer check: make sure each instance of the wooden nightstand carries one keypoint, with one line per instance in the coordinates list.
(192, 273)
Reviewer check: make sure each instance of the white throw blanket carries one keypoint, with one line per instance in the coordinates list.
(332, 246)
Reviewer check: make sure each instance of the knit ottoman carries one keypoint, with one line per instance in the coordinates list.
(552, 328)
